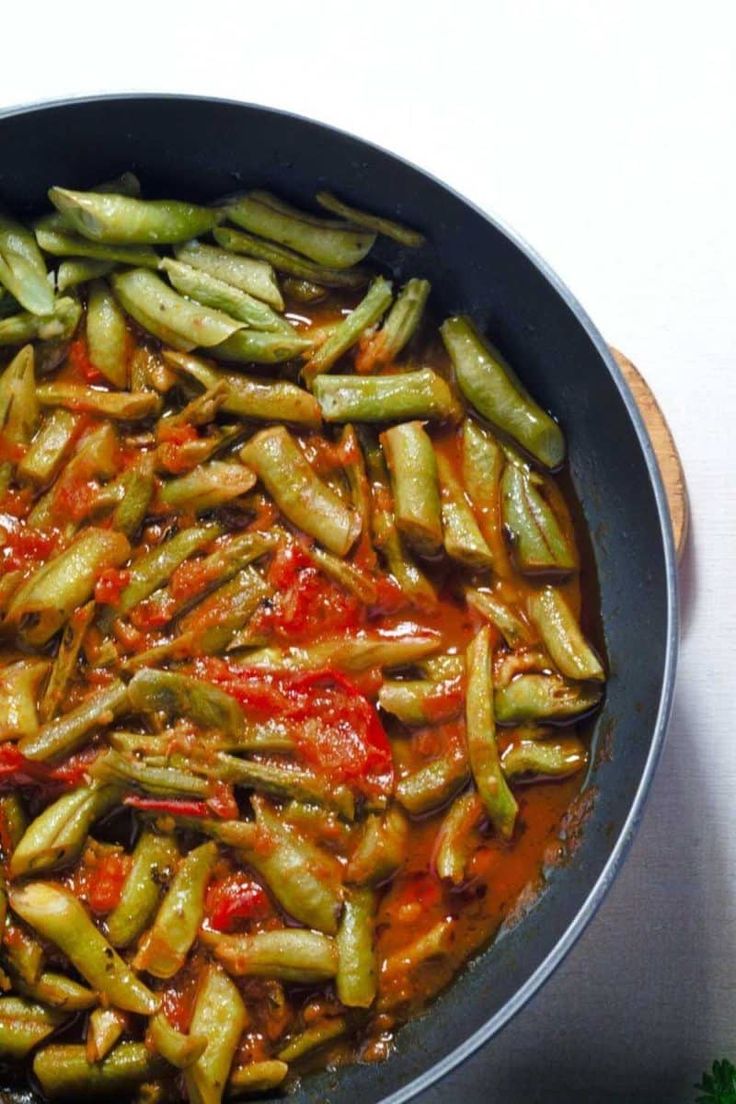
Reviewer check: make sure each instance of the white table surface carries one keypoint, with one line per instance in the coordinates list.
(603, 131)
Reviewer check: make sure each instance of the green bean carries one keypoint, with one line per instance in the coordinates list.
(168, 315)
(211, 625)
(361, 652)
(493, 389)
(436, 943)
(303, 878)
(19, 683)
(153, 863)
(156, 566)
(540, 545)
(104, 1028)
(178, 1049)
(207, 487)
(480, 735)
(432, 786)
(544, 758)
(58, 916)
(222, 296)
(60, 242)
(290, 954)
(316, 1036)
(137, 485)
(356, 973)
(219, 1017)
(413, 467)
(18, 402)
(281, 781)
(65, 662)
(454, 842)
(24, 1024)
(14, 822)
(403, 321)
(509, 623)
(337, 244)
(562, 636)
(483, 462)
(298, 491)
(58, 835)
(182, 695)
(394, 398)
(96, 457)
(404, 235)
(381, 849)
(368, 312)
(22, 268)
(463, 539)
(107, 334)
(60, 992)
(125, 406)
(250, 398)
(353, 579)
(78, 271)
(257, 347)
(288, 262)
(164, 948)
(162, 781)
(254, 277)
(121, 219)
(49, 448)
(256, 1077)
(543, 698)
(65, 1073)
(58, 325)
(421, 701)
(65, 734)
(23, 954)
(48, 598)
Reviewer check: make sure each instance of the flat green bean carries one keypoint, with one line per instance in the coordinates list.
(367, 313)
(381, 849)
(57, 836)
(126, 220)
(287, 261)
(58, 991)
(65, 734)
(252, 276)
(167, 315)
(153, 864)
(22, 268)
(421, 701)
(107, 334)
(156, 566)
(462, 537)
(540, 545)
(220, 1017)
(395, 398)
(291, 954)
(413, 467)
(356, 972)
(223, 296)
(399, 327)
(562, 636)
(137, 485)
(60, 242)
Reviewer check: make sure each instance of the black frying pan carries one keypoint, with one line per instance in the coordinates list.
(203, 148)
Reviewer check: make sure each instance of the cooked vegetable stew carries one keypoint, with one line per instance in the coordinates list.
(292, 665)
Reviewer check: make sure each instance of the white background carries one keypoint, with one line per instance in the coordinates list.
(604, 132)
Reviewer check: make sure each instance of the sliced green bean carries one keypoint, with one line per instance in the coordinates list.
(58, 916)
(19, 685)
(24, 1024)
(562, 636)
(48, 598)
(220, 1017)
(178, 1049)
(104, 1028)
(121, 219)
(181, 695)
(291, 954)
(22, 268)
(58, 325)
(79, 270)
(356, 973)
(544, 758)
(368, 312)
(65, 663)
(250, 398)
(65, 734)
(421, 701)
(402, 322)
(58, 835)
(49, 448)
(154, 860)
(540, 545)
(256, 1077)
(207, 486)
(454, 843)
(64, 1072)
(164, 948)
(286, 261)
(107, 334)
(298, 491)
(430, 787)
(336, 244)
(514, 630)
(543, 698)
(60, 242)
(18, 399)
(252, 276)
(314, 1037)
(404, 235)
(413, 467)
(494, 390)
(223, 296)
(394, 398)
